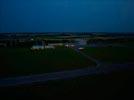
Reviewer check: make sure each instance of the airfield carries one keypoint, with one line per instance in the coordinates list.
(101, 64)
(61, 52)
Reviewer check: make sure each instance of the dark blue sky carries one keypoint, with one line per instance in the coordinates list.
(66, 15)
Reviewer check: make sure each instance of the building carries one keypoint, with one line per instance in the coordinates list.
(42, 47)
(49, 47)
(69, 45)
(38, 47)
(56, 44)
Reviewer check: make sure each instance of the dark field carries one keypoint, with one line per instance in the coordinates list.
(23, 61)
(116, 85)
(111, 54)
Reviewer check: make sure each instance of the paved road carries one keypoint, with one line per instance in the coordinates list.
(86, 56)
(63, 75)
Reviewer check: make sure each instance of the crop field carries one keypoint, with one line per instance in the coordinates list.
(111, 54)
(23, 61)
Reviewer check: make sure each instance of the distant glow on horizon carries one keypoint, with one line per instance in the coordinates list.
(66, 16)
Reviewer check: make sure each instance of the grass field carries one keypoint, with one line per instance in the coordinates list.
(23, 61)
(96, 87)
(111, 54)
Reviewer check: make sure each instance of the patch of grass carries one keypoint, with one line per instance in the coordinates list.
(23, 61)
(111, 54)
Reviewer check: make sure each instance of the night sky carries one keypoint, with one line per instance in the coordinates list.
(66, 16)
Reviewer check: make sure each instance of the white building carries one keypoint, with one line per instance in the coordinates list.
(41, 47)
(49, 47)
(69, 45)
(56, 44)
(37, 47)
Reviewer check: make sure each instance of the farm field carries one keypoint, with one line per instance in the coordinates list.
(111, 54)
(23, 61)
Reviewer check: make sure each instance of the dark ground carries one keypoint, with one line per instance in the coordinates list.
(115, 85)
